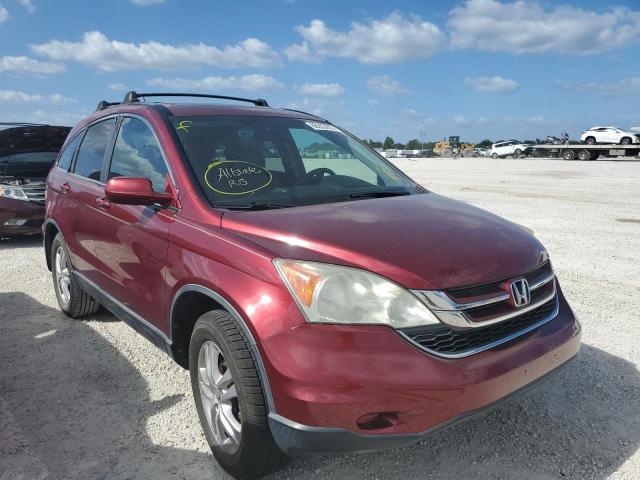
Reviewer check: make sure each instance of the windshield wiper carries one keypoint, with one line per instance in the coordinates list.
(254, 206)
(377, 194)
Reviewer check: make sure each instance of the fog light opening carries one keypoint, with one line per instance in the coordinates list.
(377, 420)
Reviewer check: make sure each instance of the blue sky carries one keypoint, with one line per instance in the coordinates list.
(475, 68)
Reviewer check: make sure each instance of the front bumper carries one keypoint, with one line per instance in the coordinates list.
(324, 378)
(11, 209)
(297, 439)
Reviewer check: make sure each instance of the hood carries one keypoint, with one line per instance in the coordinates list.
(421, 241)
(28, 151)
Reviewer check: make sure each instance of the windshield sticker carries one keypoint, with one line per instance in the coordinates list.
(322, 126)
(184, 125)
(235, 177)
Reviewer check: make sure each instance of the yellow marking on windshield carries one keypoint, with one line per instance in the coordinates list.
(184, 125)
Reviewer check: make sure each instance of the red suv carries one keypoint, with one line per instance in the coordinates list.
(321, 299)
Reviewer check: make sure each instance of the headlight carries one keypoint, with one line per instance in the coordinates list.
(10, 191)
(334, 294)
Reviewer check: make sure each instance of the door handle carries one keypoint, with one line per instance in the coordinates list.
(65, 188)
(103, 202)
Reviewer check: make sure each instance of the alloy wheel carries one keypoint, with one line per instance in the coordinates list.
(63, 275)
(219, 397)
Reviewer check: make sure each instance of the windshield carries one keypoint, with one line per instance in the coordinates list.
(245, 162)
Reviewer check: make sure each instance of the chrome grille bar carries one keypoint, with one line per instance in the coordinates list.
(453, 314)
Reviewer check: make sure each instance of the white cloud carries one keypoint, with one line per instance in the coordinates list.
(29, 66)
(322, 89)
(526, 27)
(393, 39)
(57, 117)
(96, 50)
(491, 84)
(301, 52)
(385, 85)
(625, 87)
(4, 14)
(16, 96)
(146, 3)
(247, 83)
(118, 87)
(460, 120)
(31, 8)
(315, 106)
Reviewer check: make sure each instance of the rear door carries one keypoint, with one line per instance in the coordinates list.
(132, 247)
(84, 187)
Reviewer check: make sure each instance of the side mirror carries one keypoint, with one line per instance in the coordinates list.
(135, 191)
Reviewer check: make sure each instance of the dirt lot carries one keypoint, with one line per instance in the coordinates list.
(93, 400)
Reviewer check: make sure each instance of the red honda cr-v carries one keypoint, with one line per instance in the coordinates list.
(321, 299)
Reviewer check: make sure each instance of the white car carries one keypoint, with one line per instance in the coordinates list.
(609, 135)
(509, 148)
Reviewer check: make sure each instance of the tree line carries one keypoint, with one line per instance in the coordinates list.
(415, 144)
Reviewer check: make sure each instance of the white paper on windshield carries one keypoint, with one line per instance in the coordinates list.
(322, 126)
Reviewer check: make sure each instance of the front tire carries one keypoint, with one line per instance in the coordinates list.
(625, 141)
(494, 155)
(447, 153)
(73, 301)
(230, 399)
(590, 140)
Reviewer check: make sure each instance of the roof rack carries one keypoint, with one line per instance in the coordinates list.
(135, 96)
(104, 104)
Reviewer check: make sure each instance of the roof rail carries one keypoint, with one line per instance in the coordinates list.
(135, 96)
(104, 104)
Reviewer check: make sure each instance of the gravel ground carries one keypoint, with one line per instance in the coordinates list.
(93, 400)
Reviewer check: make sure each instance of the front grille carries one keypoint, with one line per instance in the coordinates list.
(469, 294)
(443, 341)
(479, 317)
(34, 191)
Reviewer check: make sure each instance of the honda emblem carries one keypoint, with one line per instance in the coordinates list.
(520, 292)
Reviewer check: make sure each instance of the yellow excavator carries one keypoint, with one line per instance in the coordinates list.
(453, 148)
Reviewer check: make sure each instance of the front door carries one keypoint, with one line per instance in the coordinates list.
(132, 250)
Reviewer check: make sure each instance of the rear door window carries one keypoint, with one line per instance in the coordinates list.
(66, 157)
(93, 147)
(137, 153)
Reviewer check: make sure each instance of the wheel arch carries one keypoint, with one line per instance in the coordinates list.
(189, 303)
(51, 229)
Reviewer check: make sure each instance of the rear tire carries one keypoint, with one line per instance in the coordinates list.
(584, 155)
(226, 384)
(569, 155)
(73, 301)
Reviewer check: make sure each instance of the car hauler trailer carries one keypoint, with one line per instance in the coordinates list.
(583, 151)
